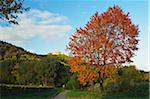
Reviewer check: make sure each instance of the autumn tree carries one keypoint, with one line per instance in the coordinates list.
(108, 40)
(9, 10)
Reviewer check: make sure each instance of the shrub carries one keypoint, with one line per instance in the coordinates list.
(122, 86)
(140, 90)
(73, 83)
(95, 88)
(112, 87)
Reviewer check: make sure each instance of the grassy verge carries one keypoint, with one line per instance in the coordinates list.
(140, 91)
(27, 92)
(79, 94)
(25, 86)
(122, 95)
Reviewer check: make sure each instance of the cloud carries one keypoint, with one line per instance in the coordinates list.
(35, 23)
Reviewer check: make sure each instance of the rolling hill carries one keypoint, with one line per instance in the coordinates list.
(8, 50)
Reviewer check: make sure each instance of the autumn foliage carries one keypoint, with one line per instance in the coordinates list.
(87, 73)
(107, 41)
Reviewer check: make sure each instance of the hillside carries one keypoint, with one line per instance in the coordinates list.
(8, 50)
(18, 66)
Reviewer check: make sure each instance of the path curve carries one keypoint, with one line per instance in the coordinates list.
(61, 95)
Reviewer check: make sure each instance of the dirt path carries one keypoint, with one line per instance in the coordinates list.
(61, 95)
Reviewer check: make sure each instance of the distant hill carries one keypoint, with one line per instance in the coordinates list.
(8, 50)
(18, 66)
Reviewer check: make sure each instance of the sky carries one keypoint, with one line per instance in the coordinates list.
(49, 24)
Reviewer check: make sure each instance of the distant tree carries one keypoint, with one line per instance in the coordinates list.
(9, 10)
(2, 53)
(108, 39)
(127, 78)
(56, 70)
(131, 73)
(6, 67)
(50, 67)
(73, 83)
(62, 76)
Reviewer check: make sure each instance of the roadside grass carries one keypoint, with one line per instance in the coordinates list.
(122, 95)
(28, 92)
(48, 94)
(140, 91)
(78, 94)
(81, 94)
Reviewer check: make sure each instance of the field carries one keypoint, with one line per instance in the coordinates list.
(40, 92)
(76, 94)
(79, 94)
(16, 92)
(139, 92)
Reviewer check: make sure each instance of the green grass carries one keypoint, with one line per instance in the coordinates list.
(79, 94)
(25, 86)
(38, 92)
(122, 95)
(17, 92)
(140, 91)
(33, 95)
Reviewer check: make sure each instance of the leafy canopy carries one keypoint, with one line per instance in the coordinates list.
(108, 39)
(9, 10)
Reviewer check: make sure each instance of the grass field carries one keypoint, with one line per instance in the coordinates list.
(122, 96)
(79, 94)
(28, 93)
(139, 91)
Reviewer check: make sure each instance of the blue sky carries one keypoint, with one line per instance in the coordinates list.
(71, 14)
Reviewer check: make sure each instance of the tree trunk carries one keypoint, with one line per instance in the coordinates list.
(101, 82)
(101, 85)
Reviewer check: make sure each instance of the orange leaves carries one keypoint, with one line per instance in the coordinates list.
(86, 72)
(75, 61)
(106, 71)
(74, 68)
(103, 40)
(82, 31)
(108, 45)
(87, 75)
(74, 64)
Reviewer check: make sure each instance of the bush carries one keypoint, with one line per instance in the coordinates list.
(122, 86)
(125, 80)
(140, 90)
(95, 88)
(112, 87)
(73, 83)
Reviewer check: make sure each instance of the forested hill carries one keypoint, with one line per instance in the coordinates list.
(18, 66)
(8, 50)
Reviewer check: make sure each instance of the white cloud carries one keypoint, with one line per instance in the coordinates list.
(35, 23)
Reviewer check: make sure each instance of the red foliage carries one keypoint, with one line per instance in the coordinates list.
(88, 73)
(108, 38)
